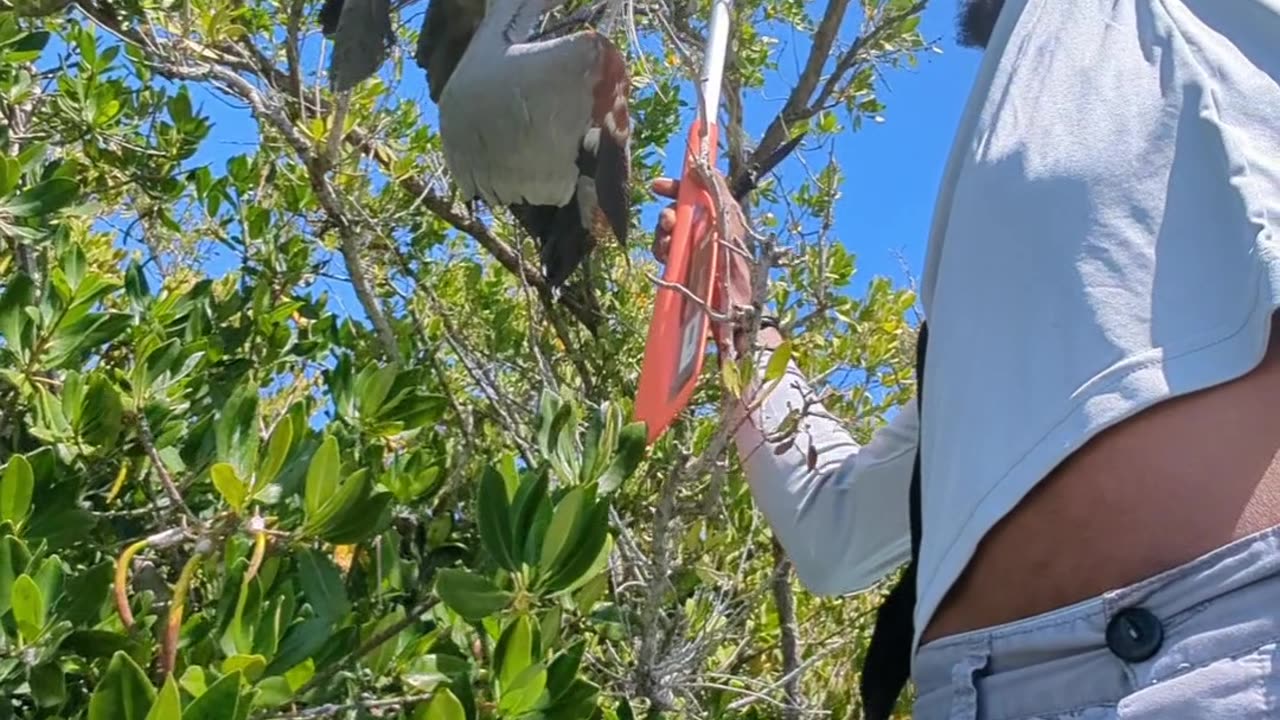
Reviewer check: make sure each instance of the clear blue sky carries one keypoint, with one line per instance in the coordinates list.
(892, 168)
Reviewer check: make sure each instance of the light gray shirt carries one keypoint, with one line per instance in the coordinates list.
(1106, 236)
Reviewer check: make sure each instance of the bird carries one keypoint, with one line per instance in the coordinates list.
(541, 127)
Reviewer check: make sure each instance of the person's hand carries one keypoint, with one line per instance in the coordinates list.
(735, 257)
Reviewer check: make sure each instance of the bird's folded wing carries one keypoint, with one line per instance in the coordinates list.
(447, 28)
(611, 114)
(518, 124)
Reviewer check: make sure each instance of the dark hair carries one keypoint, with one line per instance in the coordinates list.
(976, 20)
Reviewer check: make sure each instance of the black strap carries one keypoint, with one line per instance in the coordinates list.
(888, 663)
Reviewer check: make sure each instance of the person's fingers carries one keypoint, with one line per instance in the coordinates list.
(662, 235)
(667, 187)
(661, 247)
(667, 219)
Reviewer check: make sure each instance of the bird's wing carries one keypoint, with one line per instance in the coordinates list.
(362, 36)
(446, 32)
(610, 113)
(523, 119)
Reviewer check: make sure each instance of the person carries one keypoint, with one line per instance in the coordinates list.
(1097, 423)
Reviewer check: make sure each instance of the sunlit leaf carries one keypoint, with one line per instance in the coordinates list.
(16, 487)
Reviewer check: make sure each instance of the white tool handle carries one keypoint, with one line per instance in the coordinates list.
(713, 62)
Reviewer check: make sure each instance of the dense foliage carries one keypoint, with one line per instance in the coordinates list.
(371, 467)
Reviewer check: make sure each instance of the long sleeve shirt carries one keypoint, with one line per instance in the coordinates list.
(843, 522)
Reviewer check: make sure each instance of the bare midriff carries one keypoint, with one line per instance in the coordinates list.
(1158, 490)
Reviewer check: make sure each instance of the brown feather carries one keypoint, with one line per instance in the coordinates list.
(609, 113)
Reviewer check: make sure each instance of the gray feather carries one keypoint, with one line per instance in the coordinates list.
(513, 121)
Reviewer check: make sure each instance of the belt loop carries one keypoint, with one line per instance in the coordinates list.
(964, 680)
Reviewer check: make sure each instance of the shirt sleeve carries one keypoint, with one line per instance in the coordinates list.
(844, 522)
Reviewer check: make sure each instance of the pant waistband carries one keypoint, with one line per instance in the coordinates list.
(1097, 651)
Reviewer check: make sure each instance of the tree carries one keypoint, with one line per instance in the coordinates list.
(224, 495)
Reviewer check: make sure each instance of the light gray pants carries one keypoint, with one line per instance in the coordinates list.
(1196, 642)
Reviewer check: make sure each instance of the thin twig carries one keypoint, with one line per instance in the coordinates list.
(166, 480)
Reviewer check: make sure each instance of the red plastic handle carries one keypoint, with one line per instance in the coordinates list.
(677, 337)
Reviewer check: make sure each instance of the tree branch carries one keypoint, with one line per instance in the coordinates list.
(787, 642)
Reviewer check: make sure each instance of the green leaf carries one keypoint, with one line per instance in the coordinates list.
(300, 642)
(585, 555)
(85, 594)
(531, 495)
(18, 295)
(439, 530)
(564, 668)
(590, 592)
(236, 431)
(632, 443)
(578, 701)
(549, 405)
(524, 691)
(97, 643)
(426, 672)
(549, 627)
(372, 387)
(273, 692)
(229, 485)
(48, 685)
(277, 450)
(322, 475)
(42, 199)
(351, 513)
(380, 658)
(777, 366)
(103, 413)
(168, 704)
(250, 665)
(28, 607)
(16, 487)
(322, 585)
(494, 514)
(444, 705)
(220, 702)
(563, 521)
(10, 174)
(123, 693)
(537, 532)
(573, 576)
(731, 379)
(514, 651)
(470, 595)
(135, 284)
(193, 681)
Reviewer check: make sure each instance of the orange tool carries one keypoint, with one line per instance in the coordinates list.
(677, 339)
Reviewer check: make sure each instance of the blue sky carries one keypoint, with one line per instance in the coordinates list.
(892, 169)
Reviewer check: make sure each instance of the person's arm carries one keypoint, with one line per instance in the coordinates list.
(843, 523)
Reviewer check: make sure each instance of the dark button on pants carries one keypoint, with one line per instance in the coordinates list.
(1134, 634)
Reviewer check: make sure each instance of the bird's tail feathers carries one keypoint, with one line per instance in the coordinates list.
(561, 236)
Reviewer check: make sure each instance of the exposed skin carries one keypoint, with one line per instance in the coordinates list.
(1158, 490)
